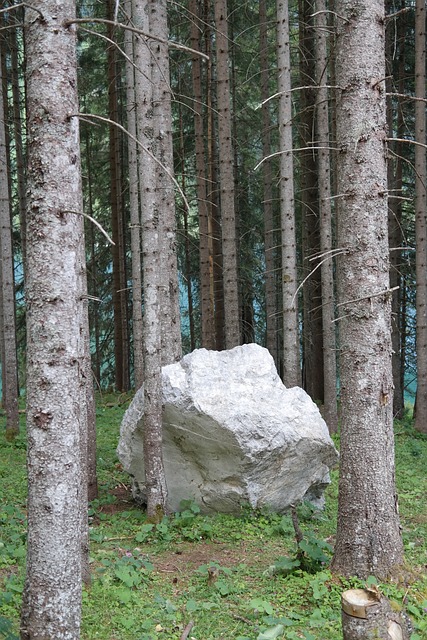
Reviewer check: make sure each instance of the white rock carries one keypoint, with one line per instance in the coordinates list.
(233, 435)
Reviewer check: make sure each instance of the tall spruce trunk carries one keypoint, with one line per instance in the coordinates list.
(156, 489)
(226, 180)
(368, 534)
(291, 352)
(18, 129)
(207, 306)
(330, 409)
(394, 40)
(9, 360)
(267, 175)
(162, 132)
(421, 215)
(56, 369)
(119, 292)
(309, 198)
(135, 219)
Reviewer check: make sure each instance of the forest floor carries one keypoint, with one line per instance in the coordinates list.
(210, 578)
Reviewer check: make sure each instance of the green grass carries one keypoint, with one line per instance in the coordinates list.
(231, 577)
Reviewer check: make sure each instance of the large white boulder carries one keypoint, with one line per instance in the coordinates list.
(232, 435)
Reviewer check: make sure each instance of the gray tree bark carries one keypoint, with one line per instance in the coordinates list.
(421, 215)
(395, 37)
(18, 132)
(56, 417)
(9, 359)
(368, 534)
(135, 220)
(291, 351)
(269, 233)
(162, 132)
(308, 197)
(205, 241)
(330, 410)
(119, 292)
(151, 260)
(226, 180)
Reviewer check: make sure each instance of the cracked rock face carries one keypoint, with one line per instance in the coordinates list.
(232, 435)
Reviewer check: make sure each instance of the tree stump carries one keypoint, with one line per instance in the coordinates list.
(368, 615)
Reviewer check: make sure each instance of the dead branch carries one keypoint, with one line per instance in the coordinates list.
(149, 36)
(187, 630)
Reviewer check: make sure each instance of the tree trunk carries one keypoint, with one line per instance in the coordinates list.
(421, 215)
(395, 40)
(162, 125)
(309, 199)
(368, 615)
(135, 221)
(9, 360)
(368, 534)
(226, 176)
(330, 410)
(188, 276)
(19, 144)
(205, 241)
(291, 352)
(56, 369)
(269, 234)
(119, 293)
(93, 269)
(156, 489)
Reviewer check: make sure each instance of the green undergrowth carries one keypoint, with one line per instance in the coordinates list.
(228, 578)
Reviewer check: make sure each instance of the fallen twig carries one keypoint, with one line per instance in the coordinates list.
(187, 630)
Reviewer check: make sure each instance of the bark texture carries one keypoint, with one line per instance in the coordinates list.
(162, 138)
(268, 179)
(207, 305)
(291, 355)
(135, 220)
(330, 410)
(308, 196)
(226, 175)
(119, 293)
(9, 360)
(368, 535)
(421, 215)
(368, 615)
(56, 367)
(151, 260)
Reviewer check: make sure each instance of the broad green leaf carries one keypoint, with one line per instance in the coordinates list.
(271, 633)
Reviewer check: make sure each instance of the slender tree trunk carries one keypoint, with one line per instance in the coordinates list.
(152, 324)
(187, 240)
(135, 221)
(291, 353)
(18, 133)
(394, 173)
(330, 411)
(309, 199)
(93, 270)
(214, 211)
(421, 215)
(205, 242)
(228, 214)
(368, 534)
(121, 337)
(56, 411)
(7, 287)
(162, 124)
(269, 235)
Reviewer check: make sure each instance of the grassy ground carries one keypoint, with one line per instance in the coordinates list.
(211, 573)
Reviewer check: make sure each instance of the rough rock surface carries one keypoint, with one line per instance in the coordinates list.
(233, 435)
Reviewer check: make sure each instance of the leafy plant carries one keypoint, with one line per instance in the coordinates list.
(6, 628)
(128, 570)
